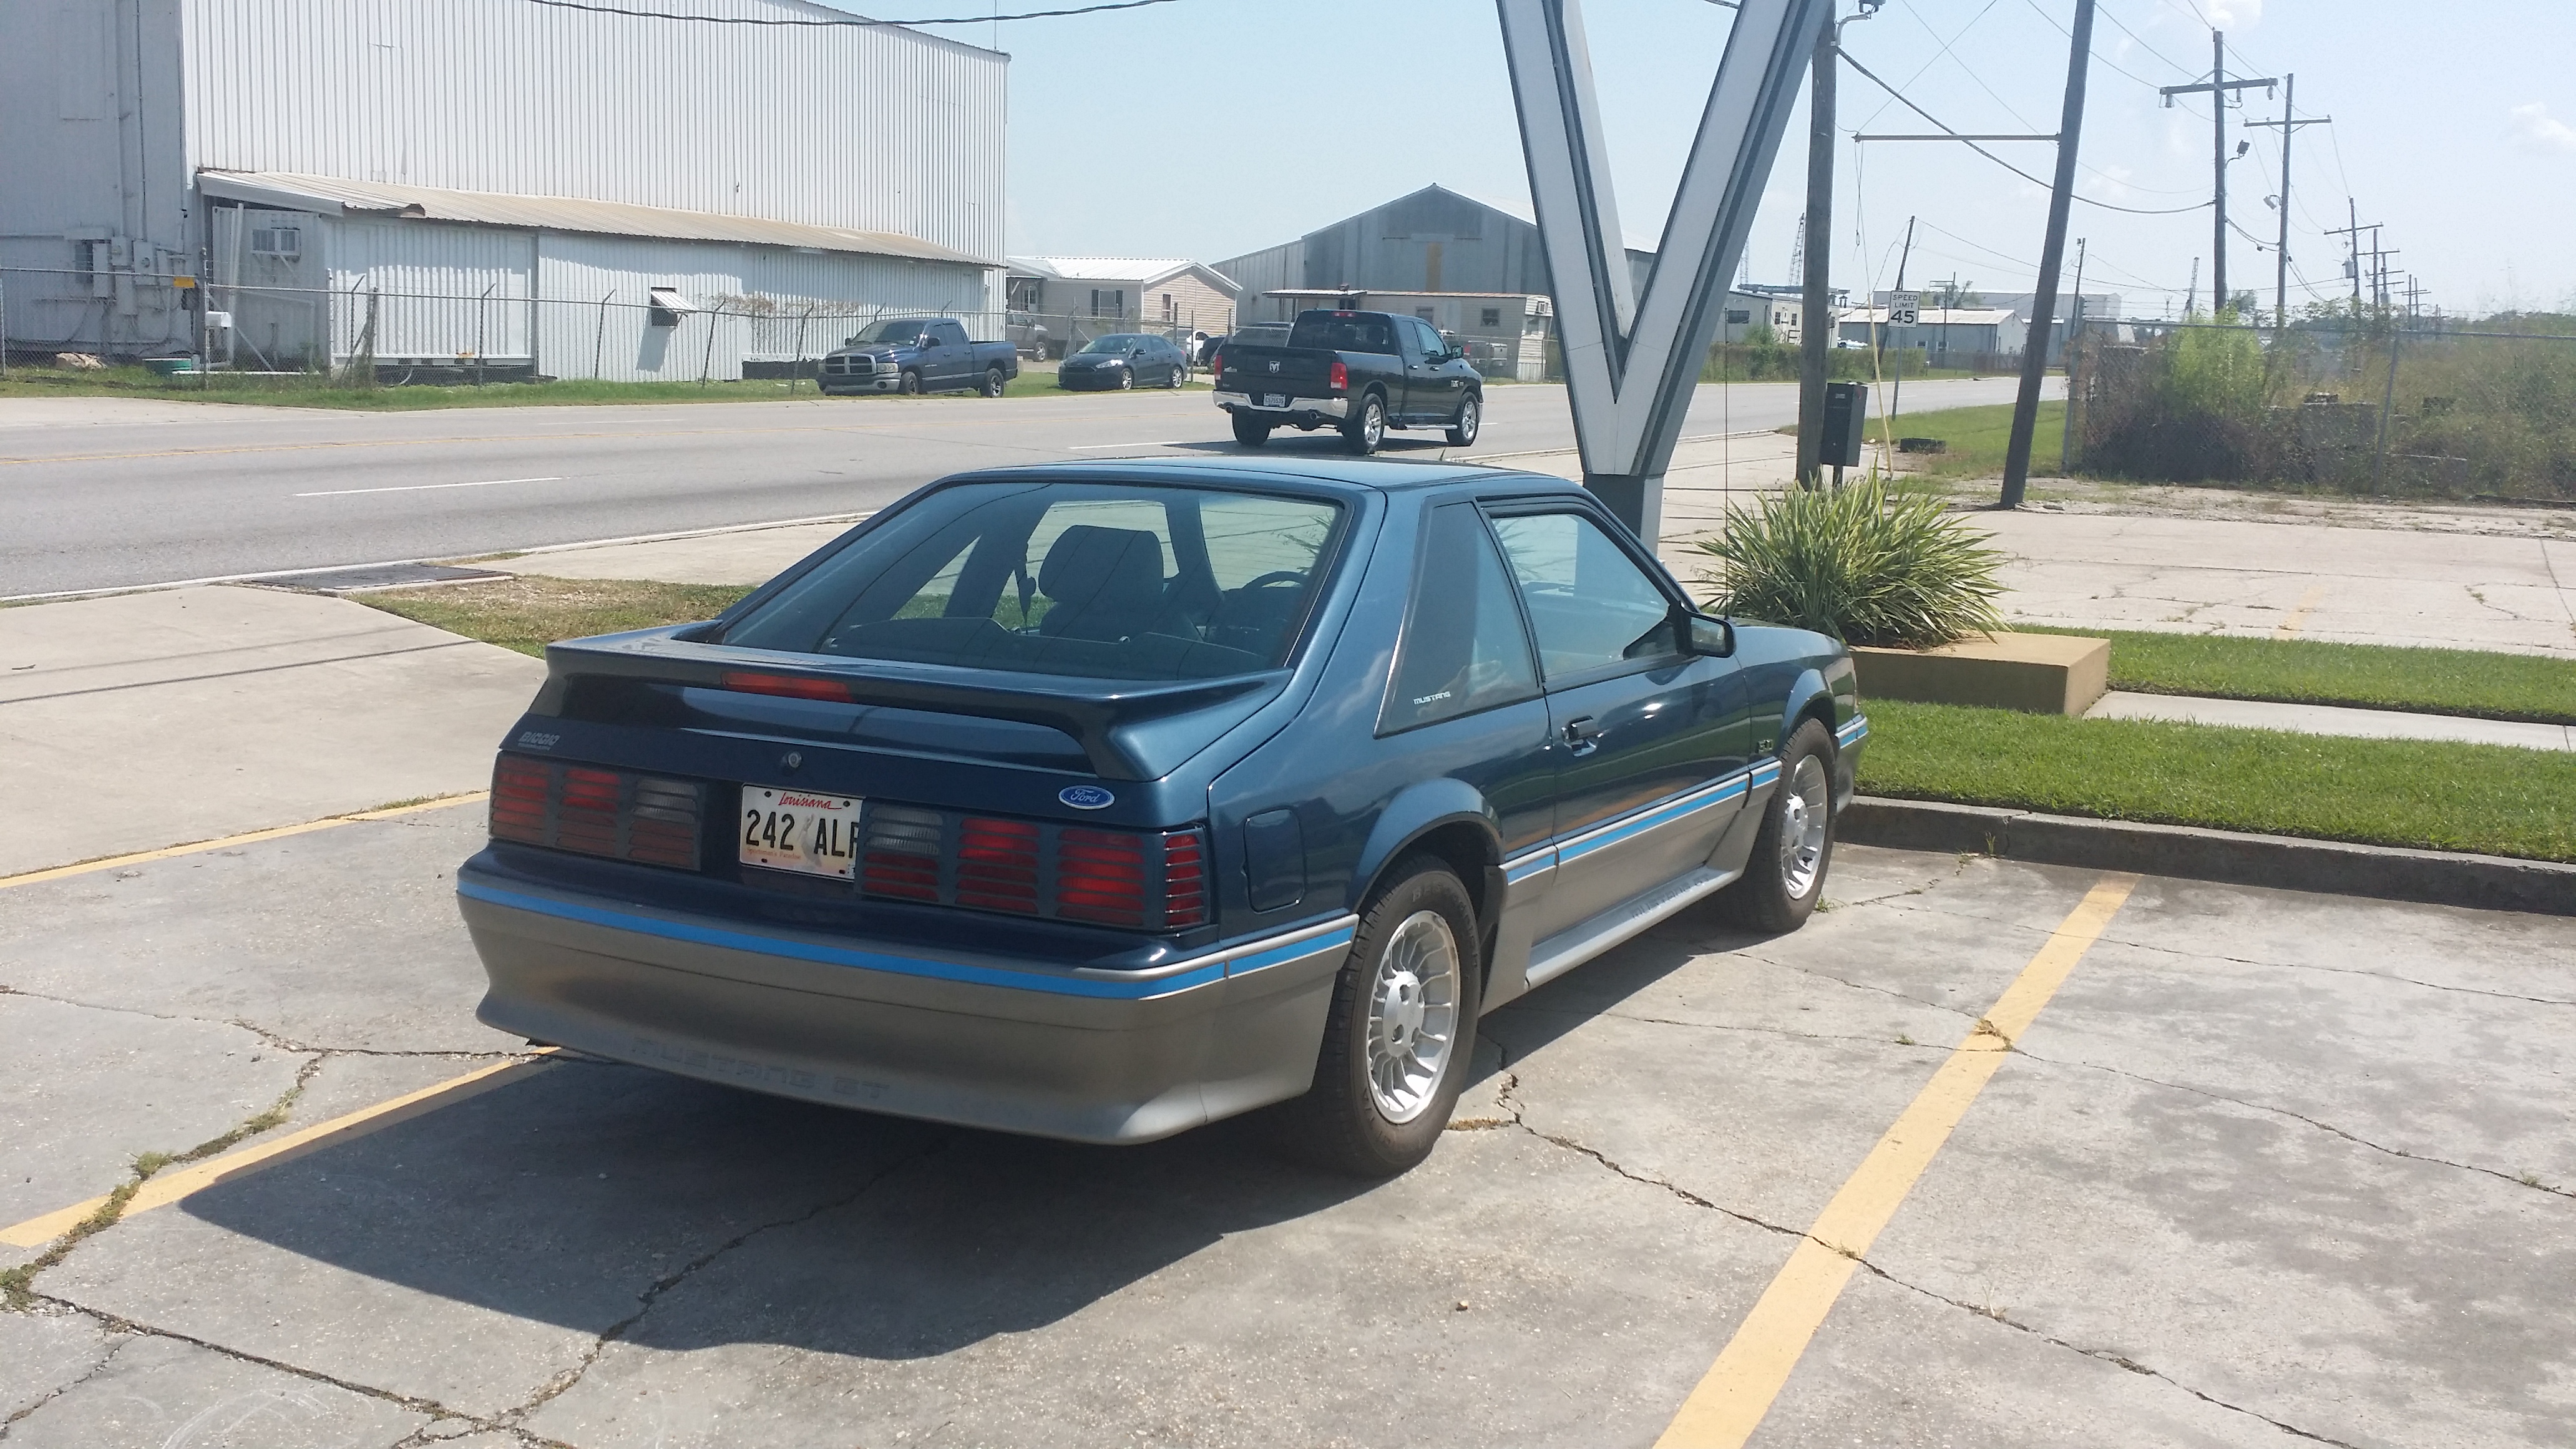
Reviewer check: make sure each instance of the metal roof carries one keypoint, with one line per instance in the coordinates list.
(1103, 269)
(339, 196)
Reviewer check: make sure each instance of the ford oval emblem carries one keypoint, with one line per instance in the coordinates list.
(1086, 797)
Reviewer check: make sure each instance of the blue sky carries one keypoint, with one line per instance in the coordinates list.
(1208, 128)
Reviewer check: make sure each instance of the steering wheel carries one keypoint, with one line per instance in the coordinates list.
(1275, 576)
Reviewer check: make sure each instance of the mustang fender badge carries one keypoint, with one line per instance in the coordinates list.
(1086, 797)
(1274, 367)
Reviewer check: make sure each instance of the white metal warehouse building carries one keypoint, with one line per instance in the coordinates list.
(574, 188)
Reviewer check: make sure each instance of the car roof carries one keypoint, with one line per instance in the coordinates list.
(1385, 475)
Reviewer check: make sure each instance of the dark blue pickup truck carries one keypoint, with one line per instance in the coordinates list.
(917, 355)
(1102, 800)
(1359, 372)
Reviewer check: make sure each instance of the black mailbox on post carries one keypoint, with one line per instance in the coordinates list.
(1846, 419)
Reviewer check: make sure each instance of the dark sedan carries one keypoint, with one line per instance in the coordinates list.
(1100, 801)
(1123, 360)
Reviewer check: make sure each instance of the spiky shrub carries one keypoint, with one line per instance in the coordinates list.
(1858, 564)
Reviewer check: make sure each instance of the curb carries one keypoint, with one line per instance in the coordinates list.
(2432, 877)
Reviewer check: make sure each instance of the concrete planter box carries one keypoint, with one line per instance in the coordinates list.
(2036, 673)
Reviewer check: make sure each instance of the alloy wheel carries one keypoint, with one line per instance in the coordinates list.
(1804, 812)
(1412, 1016)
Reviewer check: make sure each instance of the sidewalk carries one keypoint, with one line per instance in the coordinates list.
(145, 720)
(2326, 719)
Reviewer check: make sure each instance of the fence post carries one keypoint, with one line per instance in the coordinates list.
(599, 344)
(707, 360)
(2387, 411)
(482, 306)
(798, 370)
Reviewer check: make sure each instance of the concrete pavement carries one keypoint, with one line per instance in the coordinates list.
(143, 720)
(2268, 1166)
(2323, 719)
(111, 493)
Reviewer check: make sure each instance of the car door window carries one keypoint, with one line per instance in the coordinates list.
(1590, 605)
(947, 334)
(1464, 648)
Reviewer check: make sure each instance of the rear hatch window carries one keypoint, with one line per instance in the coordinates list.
(1099, 580)
(1343, 332)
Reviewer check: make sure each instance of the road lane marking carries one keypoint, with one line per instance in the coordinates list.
(423, 487)
(250, 837)
(2314, 595)
(169, 1186)
(1730, 1402)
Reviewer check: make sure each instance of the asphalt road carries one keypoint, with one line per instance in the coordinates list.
(102, 493)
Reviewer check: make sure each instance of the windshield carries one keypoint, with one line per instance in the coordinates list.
(901, 330)
(1096, 580)
(1115, 342)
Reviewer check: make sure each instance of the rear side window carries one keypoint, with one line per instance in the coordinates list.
(1464, 648)
(1590, 605)
(1097, 580)
(1343, 332)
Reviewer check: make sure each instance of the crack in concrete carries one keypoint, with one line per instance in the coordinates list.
(1718, 1026)
(114, 1347)
(2326, 1127)
(266, 1035)
(1858, 985)
(563, 1382)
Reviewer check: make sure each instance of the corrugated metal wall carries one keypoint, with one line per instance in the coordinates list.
(870, 127)
(443, 293)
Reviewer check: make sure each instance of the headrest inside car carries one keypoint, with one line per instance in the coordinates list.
(1106, 583)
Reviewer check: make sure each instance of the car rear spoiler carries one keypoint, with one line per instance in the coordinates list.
(1113, 721)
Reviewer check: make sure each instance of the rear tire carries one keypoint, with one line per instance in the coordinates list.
(1250, 433)
(1180, 376)
(1399, 1032)
(1785, 875)
(1366, 430)
(1471, 415)
(994, 382)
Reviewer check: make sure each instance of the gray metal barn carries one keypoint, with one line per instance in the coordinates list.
(510, 184)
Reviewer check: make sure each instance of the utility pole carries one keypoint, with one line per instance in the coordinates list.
(1816, 247)
(2289, 124)
(2074, 339)
(1896, 389)
(2219, 88)
(2052, 254)
(2352, 213)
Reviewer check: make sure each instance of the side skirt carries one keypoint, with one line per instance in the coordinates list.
(1568, 949)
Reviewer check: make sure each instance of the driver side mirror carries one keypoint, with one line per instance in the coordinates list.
(1714, 638)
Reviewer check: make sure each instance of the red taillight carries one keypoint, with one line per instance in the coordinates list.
(997, 865)
(1216, 368)
(1184, 880)
(1341, 378)
(519, 800)
(595, 811)
(1100, 876)
(788, 686)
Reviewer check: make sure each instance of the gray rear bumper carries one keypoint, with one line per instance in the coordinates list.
(1094, 1056)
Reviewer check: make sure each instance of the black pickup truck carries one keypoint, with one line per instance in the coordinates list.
(916, 355)
(1360, 372)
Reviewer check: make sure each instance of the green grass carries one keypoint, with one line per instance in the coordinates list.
(2367, 676)
(528, 613)
(314, 391)
(1977, 438)
(2484, 798)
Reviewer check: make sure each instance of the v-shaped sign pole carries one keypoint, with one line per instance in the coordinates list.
(1631, 361)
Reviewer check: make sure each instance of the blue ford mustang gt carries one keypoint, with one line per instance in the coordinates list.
(1104, 800)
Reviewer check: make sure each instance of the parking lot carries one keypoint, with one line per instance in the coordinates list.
(2228, 1167)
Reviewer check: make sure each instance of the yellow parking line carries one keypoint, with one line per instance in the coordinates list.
(164, 1188)
(1739, 1388)
(2309, 598)
(249, 837)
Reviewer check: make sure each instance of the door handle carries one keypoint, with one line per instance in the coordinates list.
(1582, 734)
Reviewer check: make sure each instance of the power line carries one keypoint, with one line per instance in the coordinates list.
(1936, 55)
(1947, 129)
(857, 21)
(2176, 66)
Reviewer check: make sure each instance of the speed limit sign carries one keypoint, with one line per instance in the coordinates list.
(1904, 309)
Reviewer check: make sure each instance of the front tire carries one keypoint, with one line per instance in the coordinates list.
(1250, 432)
(1400, 1029)
(909, 384)
(994, 382)
(1471, 415)
(1785, 876)
(1367, 431)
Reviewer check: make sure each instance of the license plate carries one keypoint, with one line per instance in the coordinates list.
(799, 831)
(1274, 399)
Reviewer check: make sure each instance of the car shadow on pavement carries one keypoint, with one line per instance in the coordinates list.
(587, 1192)
(1567, 1003)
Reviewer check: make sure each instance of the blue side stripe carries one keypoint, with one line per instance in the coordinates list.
(1659, 815)
(670, 930)
(1543, 859)
(1858, 729)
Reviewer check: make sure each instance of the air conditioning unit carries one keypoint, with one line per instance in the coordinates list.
(285, 242)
